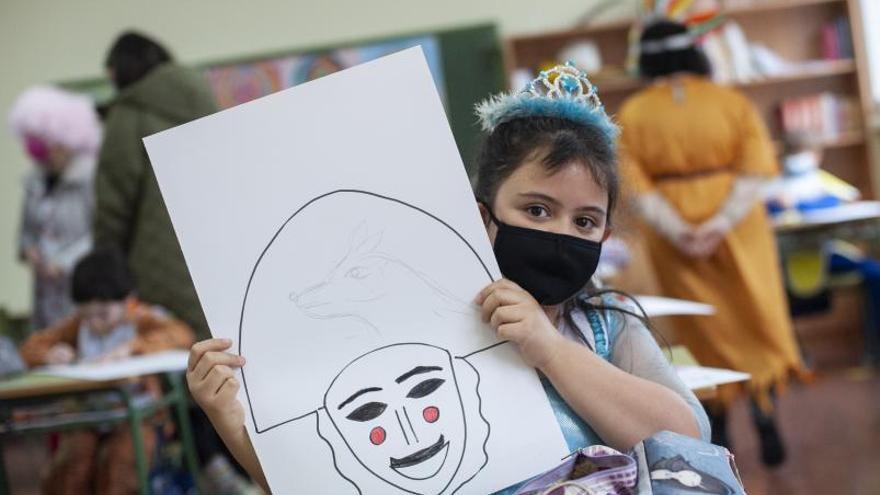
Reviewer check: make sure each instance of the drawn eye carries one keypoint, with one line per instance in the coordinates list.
(424, 388)
(357, 272)
(368, 411)
(431, 414)
(377, 435)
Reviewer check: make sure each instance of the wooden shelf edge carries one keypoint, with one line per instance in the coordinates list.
(844, 140)
(626, 22)
(826, 69)
(765, 6)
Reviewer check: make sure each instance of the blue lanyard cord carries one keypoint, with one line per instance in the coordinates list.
(599, 333)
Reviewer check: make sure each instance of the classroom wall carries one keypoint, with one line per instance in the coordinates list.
(871, 23)
(43, 40)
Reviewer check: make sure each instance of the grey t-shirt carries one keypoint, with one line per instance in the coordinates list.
(634, 350)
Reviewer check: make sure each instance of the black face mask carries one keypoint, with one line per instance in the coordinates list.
(551, 267)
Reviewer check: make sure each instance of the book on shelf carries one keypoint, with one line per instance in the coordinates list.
(837, 39)
(826, 116)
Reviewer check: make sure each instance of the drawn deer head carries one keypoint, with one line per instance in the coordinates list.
(357, 278)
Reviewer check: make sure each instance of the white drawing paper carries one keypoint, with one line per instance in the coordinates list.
(697, 377)
(332, 234)
(666, 306)
(134, 366)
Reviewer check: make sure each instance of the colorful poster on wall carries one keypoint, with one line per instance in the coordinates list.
(234, 84)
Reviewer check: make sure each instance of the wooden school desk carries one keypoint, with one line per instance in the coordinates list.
(38, 387)
(858, 221)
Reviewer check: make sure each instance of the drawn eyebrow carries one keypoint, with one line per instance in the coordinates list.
(358, 394)
(417, 371)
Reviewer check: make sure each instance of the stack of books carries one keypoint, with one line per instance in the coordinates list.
(825, 115)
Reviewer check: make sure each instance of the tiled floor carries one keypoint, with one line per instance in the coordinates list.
(832, 429)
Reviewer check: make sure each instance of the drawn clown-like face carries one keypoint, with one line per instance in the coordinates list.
(399, 411)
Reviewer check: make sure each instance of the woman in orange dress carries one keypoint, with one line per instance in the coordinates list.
(696, 156)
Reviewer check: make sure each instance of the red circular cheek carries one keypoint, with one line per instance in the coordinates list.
(377, 435)
(431, 414)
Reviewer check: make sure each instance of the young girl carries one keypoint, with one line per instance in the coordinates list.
(547, 184)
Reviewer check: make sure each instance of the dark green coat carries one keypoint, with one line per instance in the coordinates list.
(130, 212)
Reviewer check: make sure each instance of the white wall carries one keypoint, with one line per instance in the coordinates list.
(51, 40)
(871, 23)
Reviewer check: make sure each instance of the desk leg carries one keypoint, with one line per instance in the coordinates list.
(182, 407)
(134, 423)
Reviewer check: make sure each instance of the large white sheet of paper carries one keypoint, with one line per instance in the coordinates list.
(148, 364)
(332, 234)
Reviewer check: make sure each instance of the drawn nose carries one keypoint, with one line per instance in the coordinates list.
(409, 424)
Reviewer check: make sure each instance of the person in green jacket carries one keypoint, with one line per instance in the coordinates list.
(154, 94)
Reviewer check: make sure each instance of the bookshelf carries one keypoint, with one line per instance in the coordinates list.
(791, 28)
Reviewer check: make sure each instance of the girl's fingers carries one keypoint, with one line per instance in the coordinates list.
(200, 348)
(508, 331)
(502, 296)
(505, 314)
(214, 358)
(216, 377)
(228, 390)
(500, 283)
(499, 297)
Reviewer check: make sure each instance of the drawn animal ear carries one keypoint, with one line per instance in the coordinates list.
(358, 237)
(371, 243)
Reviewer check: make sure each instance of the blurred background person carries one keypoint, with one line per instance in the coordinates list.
(108, 324)
(154, 94)
(61, 134)
(697, 156)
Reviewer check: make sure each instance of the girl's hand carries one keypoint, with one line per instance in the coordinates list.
(516, 316)
(213, 385)
(60, 353)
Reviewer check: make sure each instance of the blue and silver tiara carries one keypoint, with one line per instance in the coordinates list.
(563, 92)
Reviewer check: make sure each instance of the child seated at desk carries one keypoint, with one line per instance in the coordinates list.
(804, 187)
(109, 323)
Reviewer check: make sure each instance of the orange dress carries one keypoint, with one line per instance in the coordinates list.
(689, 143)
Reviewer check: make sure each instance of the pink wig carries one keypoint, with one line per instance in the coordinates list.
(57, 117)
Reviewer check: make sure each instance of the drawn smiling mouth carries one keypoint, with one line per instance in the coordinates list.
(424, 463)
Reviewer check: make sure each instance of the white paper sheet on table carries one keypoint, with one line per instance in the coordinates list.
(134, 366)
(696, 377)
(665, 306)
(332, 233)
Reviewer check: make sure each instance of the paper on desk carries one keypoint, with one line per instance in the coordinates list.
(697, 377)
(664, 306)
(148, 364)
